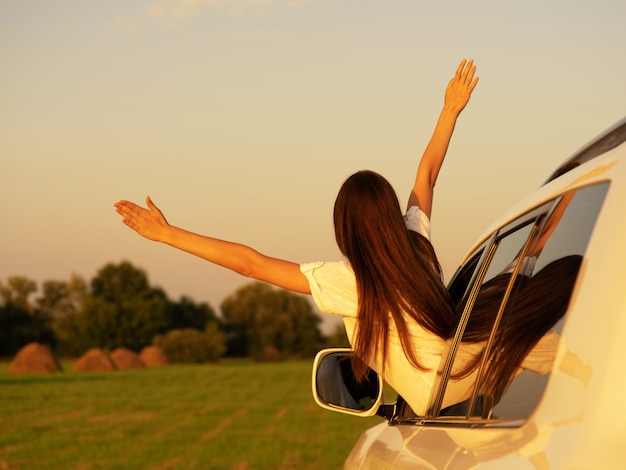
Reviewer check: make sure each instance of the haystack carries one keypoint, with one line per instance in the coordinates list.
(268, 354)
(153, 356)
(126, 359)
(94, 360)
(34, 357)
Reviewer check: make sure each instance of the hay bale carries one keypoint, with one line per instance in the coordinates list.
(94, 360)
(268, 354)
(153, 356)
(124, 358)
(34, 358)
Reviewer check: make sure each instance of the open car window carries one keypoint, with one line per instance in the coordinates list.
(512, 296)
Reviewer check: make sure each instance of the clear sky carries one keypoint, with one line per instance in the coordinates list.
(241, 119)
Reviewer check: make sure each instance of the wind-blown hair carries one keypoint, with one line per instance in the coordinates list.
(397, 274)
(396, 270)
(537, 303)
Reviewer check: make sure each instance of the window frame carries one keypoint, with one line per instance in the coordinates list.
(485, 253)
(534, 217)
(471, 274)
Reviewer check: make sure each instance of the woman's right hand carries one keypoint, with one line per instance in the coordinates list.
(149, 223)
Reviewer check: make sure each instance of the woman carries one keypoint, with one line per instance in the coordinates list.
(396, 309)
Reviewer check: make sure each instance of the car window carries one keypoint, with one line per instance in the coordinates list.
(517, 287)
(463, 278)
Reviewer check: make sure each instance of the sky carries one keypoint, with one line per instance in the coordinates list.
(241, 119)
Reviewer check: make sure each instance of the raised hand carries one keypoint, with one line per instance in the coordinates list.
(460, 88)
(457, 95)
(149, 223)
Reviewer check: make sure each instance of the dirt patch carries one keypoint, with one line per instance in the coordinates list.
(170, 464)
(240, 466)
(124, 358)
(153, 356)
(277, 418)
(94, 360)
(34, 358)
(222, 425)
(122, 418)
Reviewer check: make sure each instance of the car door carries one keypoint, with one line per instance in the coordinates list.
(528, 268)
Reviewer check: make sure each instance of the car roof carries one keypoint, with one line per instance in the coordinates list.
(609, 139)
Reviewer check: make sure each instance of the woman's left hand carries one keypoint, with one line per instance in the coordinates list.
(460, 88)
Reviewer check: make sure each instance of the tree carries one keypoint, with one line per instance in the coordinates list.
(189, 345)
(62, 302)
(338, 339)
(122, 310)
(116, 283)
(258, 317)
(19, 327)
(62, 298)
(187, 314)
(20, 322)
(17, 292)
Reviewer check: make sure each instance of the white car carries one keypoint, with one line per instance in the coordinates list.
(573, 416)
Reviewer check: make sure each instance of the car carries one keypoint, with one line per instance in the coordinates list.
(570, 416)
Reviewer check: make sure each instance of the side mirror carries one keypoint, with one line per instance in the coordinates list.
(335, 387)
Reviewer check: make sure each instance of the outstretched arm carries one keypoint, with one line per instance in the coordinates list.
(151, 224)
(457, 95)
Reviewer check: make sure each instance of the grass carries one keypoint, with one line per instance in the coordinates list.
(236, 415)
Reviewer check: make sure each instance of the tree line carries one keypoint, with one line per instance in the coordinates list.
(119, 308)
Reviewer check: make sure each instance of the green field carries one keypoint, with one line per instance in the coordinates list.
(237, 415)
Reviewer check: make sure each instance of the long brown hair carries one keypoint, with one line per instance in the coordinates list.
(536, 304)
(396, 270)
